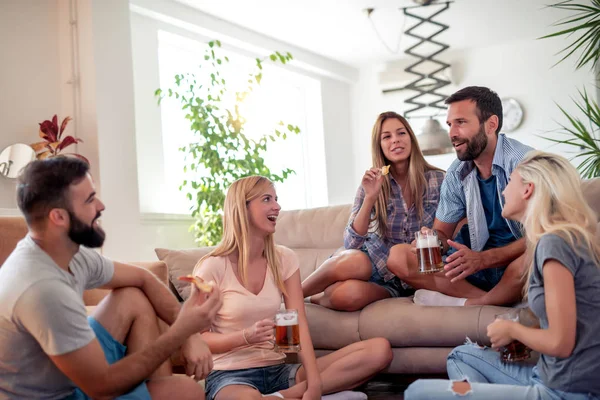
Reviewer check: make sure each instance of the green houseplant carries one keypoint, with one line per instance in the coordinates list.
(221, 151)
(583, 31)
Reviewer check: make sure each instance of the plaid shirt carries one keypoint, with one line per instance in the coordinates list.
(461, 196)
(402, 222)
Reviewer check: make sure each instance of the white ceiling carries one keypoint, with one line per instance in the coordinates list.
(340, 29)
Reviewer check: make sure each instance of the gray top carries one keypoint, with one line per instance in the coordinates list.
(579, 372)
(42, 313)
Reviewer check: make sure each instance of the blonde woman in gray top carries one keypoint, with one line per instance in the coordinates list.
(563, 288)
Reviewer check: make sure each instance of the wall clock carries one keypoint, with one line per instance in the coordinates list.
(512, 114)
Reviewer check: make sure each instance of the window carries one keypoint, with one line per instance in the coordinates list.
(283, 95)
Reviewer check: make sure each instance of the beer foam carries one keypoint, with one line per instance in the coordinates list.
(428, 241)
(286, 320)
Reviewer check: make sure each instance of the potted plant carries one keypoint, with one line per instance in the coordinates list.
(583, 28)
(53, 143)
(221, 151)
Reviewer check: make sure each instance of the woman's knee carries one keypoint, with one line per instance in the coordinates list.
(345, 300)
(379, 352)
(238, 392)
(419, 389)
(177, 387)
(465, 353)
(347, 297)
(133, 299)
(397, 261)
(436, 389)
(352, 264)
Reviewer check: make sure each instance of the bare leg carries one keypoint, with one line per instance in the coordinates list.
(130, 319)
(510, 288)
(348, 264)
(346, 368)
(175, 387)
(350, 295)
(403, 263)
(236, 392)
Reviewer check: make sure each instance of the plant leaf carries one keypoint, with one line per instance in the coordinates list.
(63, 126)
(587, 21)
(67, 141)
(48, 132)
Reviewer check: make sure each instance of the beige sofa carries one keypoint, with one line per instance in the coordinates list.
(421, 337)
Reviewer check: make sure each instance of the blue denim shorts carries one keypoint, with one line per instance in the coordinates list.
(264, 379)
(113, 351)
(485, 279)
(393, 286)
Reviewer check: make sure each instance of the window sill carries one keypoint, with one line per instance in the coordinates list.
(165, 219)
(10, 212)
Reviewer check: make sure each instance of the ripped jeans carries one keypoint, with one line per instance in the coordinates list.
(489, 379)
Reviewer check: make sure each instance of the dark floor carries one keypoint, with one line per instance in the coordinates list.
(392, 386)
(385, 388)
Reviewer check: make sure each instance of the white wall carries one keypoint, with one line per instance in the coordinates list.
(30, 71)
(520, 69)
(339, 149)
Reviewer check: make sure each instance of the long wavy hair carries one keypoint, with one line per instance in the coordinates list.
(556, 206)
(236, 229)
(417, 166)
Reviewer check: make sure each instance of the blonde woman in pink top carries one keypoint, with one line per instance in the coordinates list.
(252, 274)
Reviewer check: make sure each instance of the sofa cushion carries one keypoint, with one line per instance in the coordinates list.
(311, 259)
(181, 263)
(12, 230)
(94, 296)
(591, 192)
(408, 325)
(319, 228)
(331, 329)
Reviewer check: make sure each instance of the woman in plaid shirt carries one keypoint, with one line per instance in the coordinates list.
(388, 210)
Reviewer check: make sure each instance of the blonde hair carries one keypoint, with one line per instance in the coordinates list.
(556, 206)
(236, 229)
(417, 166)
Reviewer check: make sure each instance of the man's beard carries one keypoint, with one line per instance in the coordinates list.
(475, 146)
(86, 235)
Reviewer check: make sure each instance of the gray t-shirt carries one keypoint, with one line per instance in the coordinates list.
(579, 372)
(42, 313)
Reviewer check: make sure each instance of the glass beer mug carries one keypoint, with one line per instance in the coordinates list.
(515, 350)
(287, 331)
(429, 255)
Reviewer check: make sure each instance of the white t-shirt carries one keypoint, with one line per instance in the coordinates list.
(42, 313)
(241, 309)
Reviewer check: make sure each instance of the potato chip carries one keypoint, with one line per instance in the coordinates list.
(200, 284)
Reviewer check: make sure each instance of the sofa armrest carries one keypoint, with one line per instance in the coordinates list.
(94, 296)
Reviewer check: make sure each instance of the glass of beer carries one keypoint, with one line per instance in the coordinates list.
(515, 350)
(429, 255)
(287, 331)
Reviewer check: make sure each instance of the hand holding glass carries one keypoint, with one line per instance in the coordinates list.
(515, 350)
(287, 331)
(429, 255)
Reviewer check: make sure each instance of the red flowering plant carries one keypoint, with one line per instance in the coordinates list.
(53, 142)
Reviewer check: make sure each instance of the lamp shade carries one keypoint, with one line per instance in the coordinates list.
(434, 139)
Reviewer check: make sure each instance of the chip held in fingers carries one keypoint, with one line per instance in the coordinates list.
(200, 284)
(385, 170)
